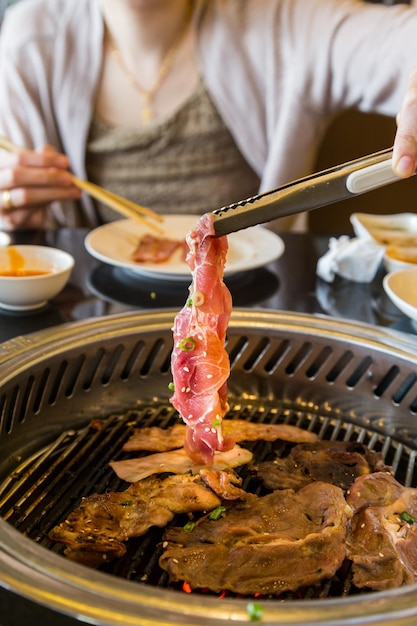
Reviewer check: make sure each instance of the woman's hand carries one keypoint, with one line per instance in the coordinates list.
(29, 181)
(405, 145)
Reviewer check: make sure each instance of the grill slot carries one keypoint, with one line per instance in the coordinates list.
(340, 367)
(387, 381)
(404, 389)
(299, 359)
(319, 362)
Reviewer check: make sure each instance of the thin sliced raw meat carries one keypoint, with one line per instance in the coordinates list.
(200, 364)
(176, 462)
(157, 439)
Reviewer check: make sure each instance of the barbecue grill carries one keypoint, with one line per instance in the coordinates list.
(69, 397)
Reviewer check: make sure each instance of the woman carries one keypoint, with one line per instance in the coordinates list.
(187, 105)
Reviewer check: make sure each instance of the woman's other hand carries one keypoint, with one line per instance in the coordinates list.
(405, 144)
(29, 181)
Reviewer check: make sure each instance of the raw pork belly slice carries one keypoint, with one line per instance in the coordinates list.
(280, 542)
(382, 540)
(200, 364)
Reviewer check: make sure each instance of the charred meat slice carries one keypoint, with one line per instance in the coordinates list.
(336, 462)
(156, 439)
(280, 542)
(95, 532)
(382, 538)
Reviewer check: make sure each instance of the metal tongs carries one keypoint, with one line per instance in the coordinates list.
(331, 185)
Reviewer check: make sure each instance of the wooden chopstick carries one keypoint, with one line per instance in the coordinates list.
(123, 206)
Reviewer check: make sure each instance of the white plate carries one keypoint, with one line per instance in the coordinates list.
(398, 229)
(401, 288)
(115, 242)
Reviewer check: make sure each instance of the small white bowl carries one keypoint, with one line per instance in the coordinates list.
(24, 292)
(401, 288)
(400, 258)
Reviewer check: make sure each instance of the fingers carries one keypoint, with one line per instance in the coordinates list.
(29, 181)
(31, 196)
(405, 145)
(22, 175)
(45, 157)
(22, 218)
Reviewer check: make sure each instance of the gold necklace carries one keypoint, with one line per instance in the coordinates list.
(147, 95)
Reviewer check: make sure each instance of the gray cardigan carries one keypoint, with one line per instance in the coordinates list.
(277, 70)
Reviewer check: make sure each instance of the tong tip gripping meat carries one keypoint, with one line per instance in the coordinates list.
(314, 191)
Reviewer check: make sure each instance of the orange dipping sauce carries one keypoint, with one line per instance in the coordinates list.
(402, 255)
(22, 273)
(17, 266)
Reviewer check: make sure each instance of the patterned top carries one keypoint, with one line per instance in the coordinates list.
(158, 166)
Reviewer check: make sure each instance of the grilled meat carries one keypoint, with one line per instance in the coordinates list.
(382, 537)
(280, 542)
(176, 462)
(336, 462)
(156, 439)
(95, 532)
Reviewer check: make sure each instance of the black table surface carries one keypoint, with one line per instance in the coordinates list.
(288, 284)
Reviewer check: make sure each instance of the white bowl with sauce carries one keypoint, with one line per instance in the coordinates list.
(400, 258)
(32, 275)
(401, 288)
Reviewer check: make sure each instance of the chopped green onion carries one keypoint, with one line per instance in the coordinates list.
(171, 386)
(216, 423)
(255, 611)
(187, 344)
(217, 513)
(189, 526)
(406, 517)
(197, 298)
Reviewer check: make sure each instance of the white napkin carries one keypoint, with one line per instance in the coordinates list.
(356, 259)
